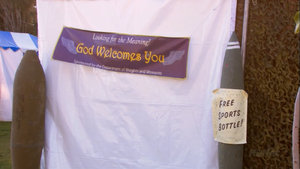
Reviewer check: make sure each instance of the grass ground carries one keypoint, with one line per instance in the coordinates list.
(5, 159)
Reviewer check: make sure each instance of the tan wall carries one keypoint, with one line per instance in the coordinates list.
(271, 80)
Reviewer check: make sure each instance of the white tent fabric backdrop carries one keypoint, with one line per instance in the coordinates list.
(12, 47)
(111, 120)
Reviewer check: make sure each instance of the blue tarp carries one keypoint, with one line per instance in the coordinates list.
(17, 41)
(9, 62)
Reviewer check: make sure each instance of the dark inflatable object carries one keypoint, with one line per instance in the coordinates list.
(231, 155)
(28, 113)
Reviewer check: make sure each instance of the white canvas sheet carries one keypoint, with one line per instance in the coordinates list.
(9, 62)
(110, 120)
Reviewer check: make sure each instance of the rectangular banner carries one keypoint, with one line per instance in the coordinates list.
(229, 112)
(150, 55)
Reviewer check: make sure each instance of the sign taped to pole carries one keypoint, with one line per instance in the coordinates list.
(229, 111)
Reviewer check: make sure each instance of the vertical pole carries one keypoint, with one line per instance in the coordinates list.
(295, 141)
(245, 26)
(231, 155)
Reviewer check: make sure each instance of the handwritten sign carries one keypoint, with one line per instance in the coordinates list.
(229, 113)
(150, 55)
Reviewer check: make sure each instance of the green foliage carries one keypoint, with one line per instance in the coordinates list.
(297, 20)
(5, 157)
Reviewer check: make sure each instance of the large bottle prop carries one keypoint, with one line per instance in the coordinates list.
(231, 155)
(28, 116)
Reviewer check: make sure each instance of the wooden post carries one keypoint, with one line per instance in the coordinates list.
(245, 26)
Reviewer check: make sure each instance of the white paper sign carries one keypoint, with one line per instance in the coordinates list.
(229, 113)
